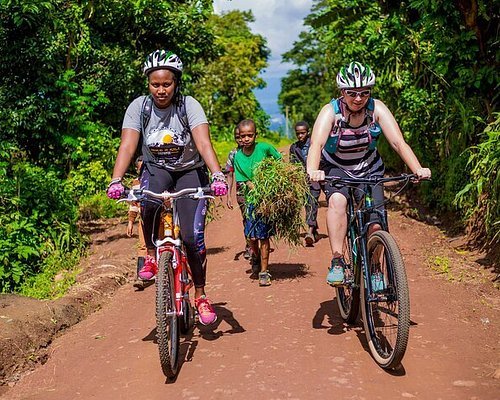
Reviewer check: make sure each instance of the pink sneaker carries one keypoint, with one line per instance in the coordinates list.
(206, 313)
(149, 270)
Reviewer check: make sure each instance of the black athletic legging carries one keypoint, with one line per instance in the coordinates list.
(192, 213)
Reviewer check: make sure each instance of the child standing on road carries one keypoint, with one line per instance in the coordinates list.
(240, 199)
(134, 211)
(298, 154)
(256, 229)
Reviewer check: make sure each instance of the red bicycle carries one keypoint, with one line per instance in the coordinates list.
(175, 314)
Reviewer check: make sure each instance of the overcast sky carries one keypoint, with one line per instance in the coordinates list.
(280, 22)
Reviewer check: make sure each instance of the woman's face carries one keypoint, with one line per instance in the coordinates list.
(162, 84)
(357, 98)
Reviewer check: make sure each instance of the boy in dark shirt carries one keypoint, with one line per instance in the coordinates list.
(298, 154)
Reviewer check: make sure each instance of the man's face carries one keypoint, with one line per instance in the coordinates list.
(301, 132)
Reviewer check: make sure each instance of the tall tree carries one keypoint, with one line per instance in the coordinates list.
(227, 79)
(437, 69)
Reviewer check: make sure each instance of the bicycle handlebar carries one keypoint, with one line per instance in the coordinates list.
(374, 180)
(193, 193)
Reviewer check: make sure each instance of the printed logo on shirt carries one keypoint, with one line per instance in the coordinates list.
(167, 144)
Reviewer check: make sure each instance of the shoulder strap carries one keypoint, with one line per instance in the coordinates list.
(182, 113)
(147, 107)
(146, 110)
(333, 138)
(370, 106)
(336, 108)
(373, 127)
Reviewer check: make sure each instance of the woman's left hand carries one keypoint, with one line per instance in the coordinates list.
(219, 184)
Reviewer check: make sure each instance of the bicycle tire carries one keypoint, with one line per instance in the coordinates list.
(186, 321)
(348, 295)
(167, 326)
(387, 321)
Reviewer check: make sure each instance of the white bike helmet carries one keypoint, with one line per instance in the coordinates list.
(355, 75)
(160, 59)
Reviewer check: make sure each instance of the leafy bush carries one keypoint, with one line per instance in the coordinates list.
(57, 274)
(98, 206)
(480, 198)
(38, 213)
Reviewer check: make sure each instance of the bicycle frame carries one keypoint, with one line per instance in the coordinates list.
(172, 242)
(182, 273)
(358, 229)
(361, 229)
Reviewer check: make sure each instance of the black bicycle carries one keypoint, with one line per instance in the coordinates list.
(375, 275)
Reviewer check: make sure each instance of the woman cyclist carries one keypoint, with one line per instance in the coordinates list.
(343, 143)
(176, 148)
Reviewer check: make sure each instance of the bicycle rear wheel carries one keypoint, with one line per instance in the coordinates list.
(386, 316)
(348, 294)
(167, 327)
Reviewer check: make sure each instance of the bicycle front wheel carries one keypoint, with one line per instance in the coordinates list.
(348, 294)
(386, 315)
(167, 327)
(186, 321)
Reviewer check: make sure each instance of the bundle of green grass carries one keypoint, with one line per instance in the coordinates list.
(280, 193)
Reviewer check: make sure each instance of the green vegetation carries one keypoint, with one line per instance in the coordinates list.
(280, 193)
(481, 197)
(71, 68)
(437, 69)
(67, 75)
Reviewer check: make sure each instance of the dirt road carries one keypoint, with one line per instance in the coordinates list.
(286, 341)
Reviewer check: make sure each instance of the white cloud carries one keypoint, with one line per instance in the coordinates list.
(279, 21)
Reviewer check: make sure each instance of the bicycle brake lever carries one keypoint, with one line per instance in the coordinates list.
(131, 197)
(200, 194)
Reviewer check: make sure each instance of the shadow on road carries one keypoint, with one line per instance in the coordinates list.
(150, 337)
(238, 255)
(224, 315)
(111, 238)
(287, 271)
(320, 236)
(216, 250)
(189, 341)
(335, 324)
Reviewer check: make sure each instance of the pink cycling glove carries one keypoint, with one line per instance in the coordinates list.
(115, 189)
(219, 184)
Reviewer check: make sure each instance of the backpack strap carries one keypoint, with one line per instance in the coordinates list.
(182, 114)
(146, 110)
(373, 127)
(334, 136)
(147, 107)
